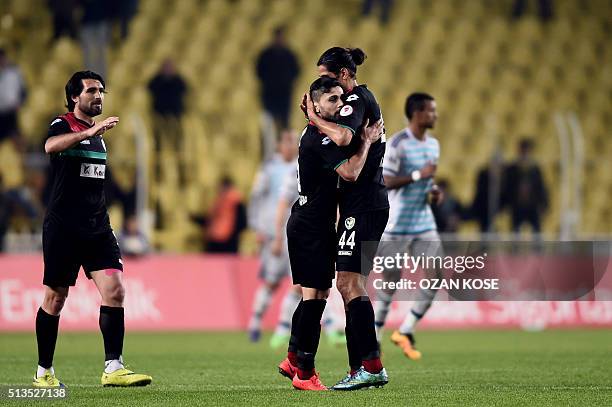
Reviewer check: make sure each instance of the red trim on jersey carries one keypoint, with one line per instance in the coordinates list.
(315, 126)
(75, 123)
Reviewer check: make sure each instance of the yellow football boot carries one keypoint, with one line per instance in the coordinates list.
(125, 378)
(47, 380)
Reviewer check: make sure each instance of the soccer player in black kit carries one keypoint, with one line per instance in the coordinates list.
(364, 211)
(311, 229)
(77, 231)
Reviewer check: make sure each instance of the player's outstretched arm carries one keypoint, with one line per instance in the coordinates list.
(62, 142)
(341, 136)
(350, 169)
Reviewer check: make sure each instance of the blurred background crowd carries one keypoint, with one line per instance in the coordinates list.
(203, 89)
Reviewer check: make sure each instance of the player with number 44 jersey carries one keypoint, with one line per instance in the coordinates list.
(364, 211)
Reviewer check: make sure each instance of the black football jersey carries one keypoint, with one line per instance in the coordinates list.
(318, 160)
(76, 178)
(368, 193)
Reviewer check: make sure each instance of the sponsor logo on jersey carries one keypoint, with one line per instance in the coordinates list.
(346, 110)
(326, 141)
(349, 223)
(302, 200)
(351, 98)
(345, 253)
(93, 170)
(85, 142)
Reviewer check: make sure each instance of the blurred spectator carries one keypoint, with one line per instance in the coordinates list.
(487, 199)
(12, 96)
(24, 202)
(167, 90)
(5, 213)
(123, 12)
(131, 240)
(95, 34)
(385, 7)
(114, 193)
(277, 69)
(524, 190)
(227, 219)
(545, 9)
(64, 22)
(449, 212)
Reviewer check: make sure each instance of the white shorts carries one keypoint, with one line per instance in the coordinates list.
(426, 243)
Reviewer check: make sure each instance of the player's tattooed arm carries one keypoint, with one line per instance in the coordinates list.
(341, 136)
(350, 169)
(62, 142)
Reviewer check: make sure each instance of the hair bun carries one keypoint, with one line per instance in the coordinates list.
(357, 55)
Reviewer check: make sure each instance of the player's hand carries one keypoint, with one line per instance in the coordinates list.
(428, 170)
(436, 195)
(372, 134)
(303, 106)
(103, 126)
(310, 108)
(277, 247)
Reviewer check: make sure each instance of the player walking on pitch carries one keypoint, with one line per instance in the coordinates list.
(77, 231)
(410, 164)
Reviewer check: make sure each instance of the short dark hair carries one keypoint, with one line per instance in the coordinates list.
(416, 102)
(74, 87)
(322, 85)
(337, 58)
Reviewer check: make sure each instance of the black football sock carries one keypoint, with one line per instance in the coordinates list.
(309, 333)
(46, 336)
(293, 345)
(352, 346)
(112, 325)
(362, 324)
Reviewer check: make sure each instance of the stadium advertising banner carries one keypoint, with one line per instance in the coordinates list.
(203, 292)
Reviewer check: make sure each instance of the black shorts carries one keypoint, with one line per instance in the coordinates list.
(312, 253)
(65, 251)
(354, 229)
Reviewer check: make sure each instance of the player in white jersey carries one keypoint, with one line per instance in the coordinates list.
(262, 213)
(410, 163)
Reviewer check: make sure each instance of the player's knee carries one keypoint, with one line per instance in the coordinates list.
(343, 286)
(54, 302)
(349, 286)
(115, 295)
(344, 283)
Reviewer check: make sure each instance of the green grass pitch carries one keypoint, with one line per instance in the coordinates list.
(458, 368)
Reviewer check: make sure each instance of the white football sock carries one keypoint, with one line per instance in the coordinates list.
(112, 365)
(40, 371)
